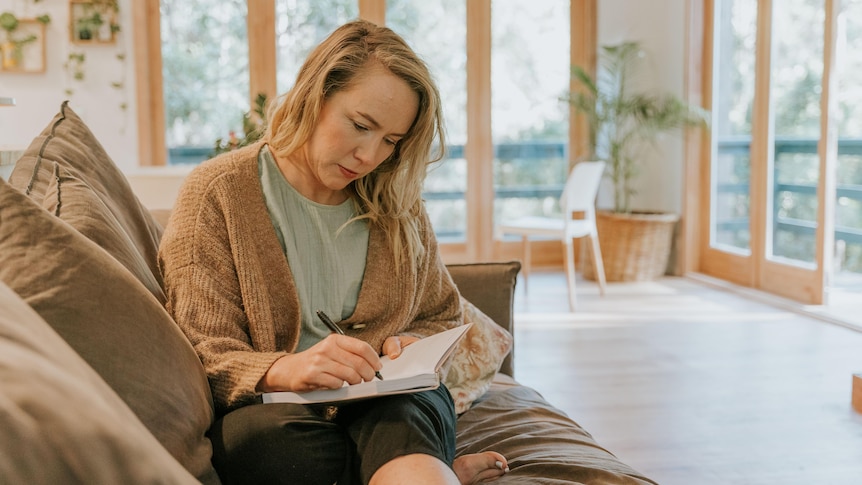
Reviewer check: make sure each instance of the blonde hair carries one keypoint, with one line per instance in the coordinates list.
(391, 195)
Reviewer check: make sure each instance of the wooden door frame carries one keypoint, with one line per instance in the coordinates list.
(800, 282)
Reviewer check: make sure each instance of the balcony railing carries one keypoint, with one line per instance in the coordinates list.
(191, 155)
(793, 235)
(726, 146)
(782, 147)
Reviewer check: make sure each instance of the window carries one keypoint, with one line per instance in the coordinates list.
(205, 75)
(301, 25)
(795, 88)
(529, 76)
(438, 32)
(733, 100)
(848, 210)
(210, 61)
(785, 209)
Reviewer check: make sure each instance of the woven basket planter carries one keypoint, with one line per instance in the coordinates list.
(635, 247)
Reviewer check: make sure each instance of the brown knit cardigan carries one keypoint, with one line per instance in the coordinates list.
(230, 289)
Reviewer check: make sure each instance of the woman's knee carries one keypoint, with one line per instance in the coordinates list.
(387, 428)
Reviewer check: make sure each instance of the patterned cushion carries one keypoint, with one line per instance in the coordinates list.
(491, 288)
(477, 358)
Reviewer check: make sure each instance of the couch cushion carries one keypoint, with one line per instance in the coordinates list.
(113, 322)
(540, 442)
(477, 358)
(68, 142)
(71, 199)
(61, 423)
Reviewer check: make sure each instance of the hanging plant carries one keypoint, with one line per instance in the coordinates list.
(75, 68)
(8, 22)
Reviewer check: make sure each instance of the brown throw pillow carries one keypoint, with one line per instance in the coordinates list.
(71, 199)
(68, 142)
(110, 319)
(61, 423)
(477, 358)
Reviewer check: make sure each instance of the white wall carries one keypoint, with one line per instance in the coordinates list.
(38, 96)
(660, 27)
(658, 24)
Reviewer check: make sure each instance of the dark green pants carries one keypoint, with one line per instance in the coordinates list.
(296, 444)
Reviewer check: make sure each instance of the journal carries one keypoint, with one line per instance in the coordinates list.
(416, 369)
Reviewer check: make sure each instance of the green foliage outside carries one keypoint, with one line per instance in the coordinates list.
(253, 127)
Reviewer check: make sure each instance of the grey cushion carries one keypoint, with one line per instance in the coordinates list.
(61, 423)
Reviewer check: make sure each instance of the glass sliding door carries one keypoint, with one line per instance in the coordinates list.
(791, 255)
(795, 91)
(845, 286)
(770, 163)
(735, 41)
(726, 252)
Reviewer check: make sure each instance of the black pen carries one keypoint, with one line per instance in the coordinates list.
(336, 329)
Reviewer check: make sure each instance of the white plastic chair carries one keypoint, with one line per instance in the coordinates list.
(579, 196)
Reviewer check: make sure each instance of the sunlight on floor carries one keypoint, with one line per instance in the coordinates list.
(545, 301)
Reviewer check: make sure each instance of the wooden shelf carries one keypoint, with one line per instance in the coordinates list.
(27, 57)
(92, 23)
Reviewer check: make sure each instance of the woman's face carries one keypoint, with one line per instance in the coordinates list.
(358, 129)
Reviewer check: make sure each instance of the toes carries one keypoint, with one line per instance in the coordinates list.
(481, 467)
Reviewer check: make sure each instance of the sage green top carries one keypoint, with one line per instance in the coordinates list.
(328, 260)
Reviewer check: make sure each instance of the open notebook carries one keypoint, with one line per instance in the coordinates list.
(416, 369)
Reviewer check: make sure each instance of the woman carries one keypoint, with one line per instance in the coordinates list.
(325, 213)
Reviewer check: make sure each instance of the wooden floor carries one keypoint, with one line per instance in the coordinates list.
(694, 385)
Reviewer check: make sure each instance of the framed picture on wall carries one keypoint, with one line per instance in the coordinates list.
(93, 21)
(22, 44)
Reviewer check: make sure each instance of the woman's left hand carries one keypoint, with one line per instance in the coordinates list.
(393, 346)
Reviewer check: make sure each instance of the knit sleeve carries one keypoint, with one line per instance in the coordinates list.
(203, 292)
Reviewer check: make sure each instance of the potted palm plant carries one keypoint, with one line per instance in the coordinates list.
(622, 124)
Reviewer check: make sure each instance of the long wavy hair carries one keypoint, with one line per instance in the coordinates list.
(391, 195)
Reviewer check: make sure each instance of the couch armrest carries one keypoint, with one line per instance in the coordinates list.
(491, 287)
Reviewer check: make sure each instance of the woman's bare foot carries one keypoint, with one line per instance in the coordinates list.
(480, 467)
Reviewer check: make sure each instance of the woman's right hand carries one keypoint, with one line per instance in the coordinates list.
(325, 365)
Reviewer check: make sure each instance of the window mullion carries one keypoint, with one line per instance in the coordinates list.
(261, 49)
